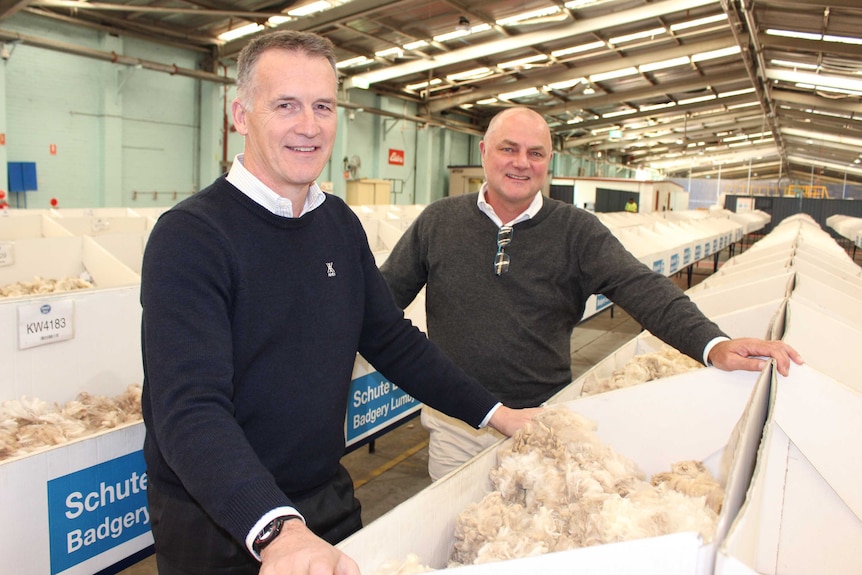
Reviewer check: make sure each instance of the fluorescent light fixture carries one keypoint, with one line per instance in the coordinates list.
(652, 107)
(601, 77)
(736, 93)
(472, 74)
(420, 85)
(394, 52)
(523, 61)
(706, 98)
(486, 101)
(794, 65)
(319, 6)
(361, 83)
(578, 49)
(277, 20)
(822, 81)
(743, 105)
(619, 113)
(451, 35)
(519, 93)
(720, 53)
(240, 32)
(483, 27)
(698, 22)
(564, 84)
(794, 34)
(653, 66)
(466, 106)
(651, 33)
(539, 13)
(575, 120)
(357, 61)
(415, 45)
(842, 39)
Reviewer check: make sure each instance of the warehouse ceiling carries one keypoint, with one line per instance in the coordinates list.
(737, 89)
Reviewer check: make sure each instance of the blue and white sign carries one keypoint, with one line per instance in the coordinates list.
(658, 266)
(602, 302)
(96, 509)
(686, 256)
(674, 263)
(375, 403)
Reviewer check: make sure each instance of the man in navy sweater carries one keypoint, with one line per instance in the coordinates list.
(257, 293)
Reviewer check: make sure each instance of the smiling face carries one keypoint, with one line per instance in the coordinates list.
(289, 120)
(516, 152)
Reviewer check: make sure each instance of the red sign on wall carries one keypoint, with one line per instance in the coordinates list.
(52, 148)
(396, 157)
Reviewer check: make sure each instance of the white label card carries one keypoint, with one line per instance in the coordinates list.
(45, 322)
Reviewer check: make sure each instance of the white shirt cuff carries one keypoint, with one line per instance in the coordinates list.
(264, 521)
(484, 421)
(712, 343)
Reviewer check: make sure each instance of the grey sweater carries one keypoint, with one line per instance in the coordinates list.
(512, 332)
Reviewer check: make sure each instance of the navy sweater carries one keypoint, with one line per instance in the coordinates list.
(513, 332)
(251, 325)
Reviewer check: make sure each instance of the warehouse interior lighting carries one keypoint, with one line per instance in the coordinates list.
(415, 45)
(601, 77)
(698, 22)
(522, 62)
(794, 65)
(736, 93)
(351, 62)
(312, 8)
(471, 74)
(565, 84)
(651, 33)
(578, 49)
(712, 54)
(819, 80)
(814, 36)
(421, 85)
(240, 32)
(664, 64)
(519, 93)
(486, 101)
(530, 15)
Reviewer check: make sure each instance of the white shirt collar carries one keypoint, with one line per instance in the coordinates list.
(247, 183)
(530, 212)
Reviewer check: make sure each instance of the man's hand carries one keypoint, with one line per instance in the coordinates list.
(298, 551)
(748, 354)
(507, 421)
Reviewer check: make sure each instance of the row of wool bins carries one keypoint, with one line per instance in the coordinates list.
(28, 425)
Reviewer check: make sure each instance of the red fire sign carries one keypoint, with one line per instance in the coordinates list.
(396, 157)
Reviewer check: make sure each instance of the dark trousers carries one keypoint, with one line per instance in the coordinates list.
(188, 542)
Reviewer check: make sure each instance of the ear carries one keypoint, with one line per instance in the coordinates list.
(238, 112)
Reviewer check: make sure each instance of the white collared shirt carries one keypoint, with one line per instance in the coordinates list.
(486, 208)
(250, 185)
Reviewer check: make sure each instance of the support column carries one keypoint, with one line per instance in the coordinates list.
(110, 192)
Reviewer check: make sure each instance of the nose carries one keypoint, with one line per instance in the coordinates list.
(521, 159)
(306, 123)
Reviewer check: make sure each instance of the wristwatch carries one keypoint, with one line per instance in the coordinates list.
(270, 531)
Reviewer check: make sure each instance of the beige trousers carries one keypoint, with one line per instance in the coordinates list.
(453, 442)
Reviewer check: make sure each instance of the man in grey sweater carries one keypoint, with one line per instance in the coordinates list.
(507, 275)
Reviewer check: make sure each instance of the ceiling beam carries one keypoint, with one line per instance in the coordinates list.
(526, 40)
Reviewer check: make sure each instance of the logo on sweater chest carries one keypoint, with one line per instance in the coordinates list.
(330, 270)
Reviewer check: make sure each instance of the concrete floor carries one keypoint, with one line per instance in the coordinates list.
(397, 468)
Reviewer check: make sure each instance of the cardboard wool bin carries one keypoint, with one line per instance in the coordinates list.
(689, 416)
(827, 343)
(803, 514)
(53, 346)
(75, 509)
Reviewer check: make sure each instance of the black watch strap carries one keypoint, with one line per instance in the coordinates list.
(270, 531)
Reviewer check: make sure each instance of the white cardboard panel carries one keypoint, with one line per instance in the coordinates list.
(753, 321)
(804, 509)
(827, 344)
(690, 416)
(724, 299)
(832, 296)
(103, 358)
(24, 507)
(50, 258)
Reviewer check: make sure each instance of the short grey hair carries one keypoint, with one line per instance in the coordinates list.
(307, 43)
